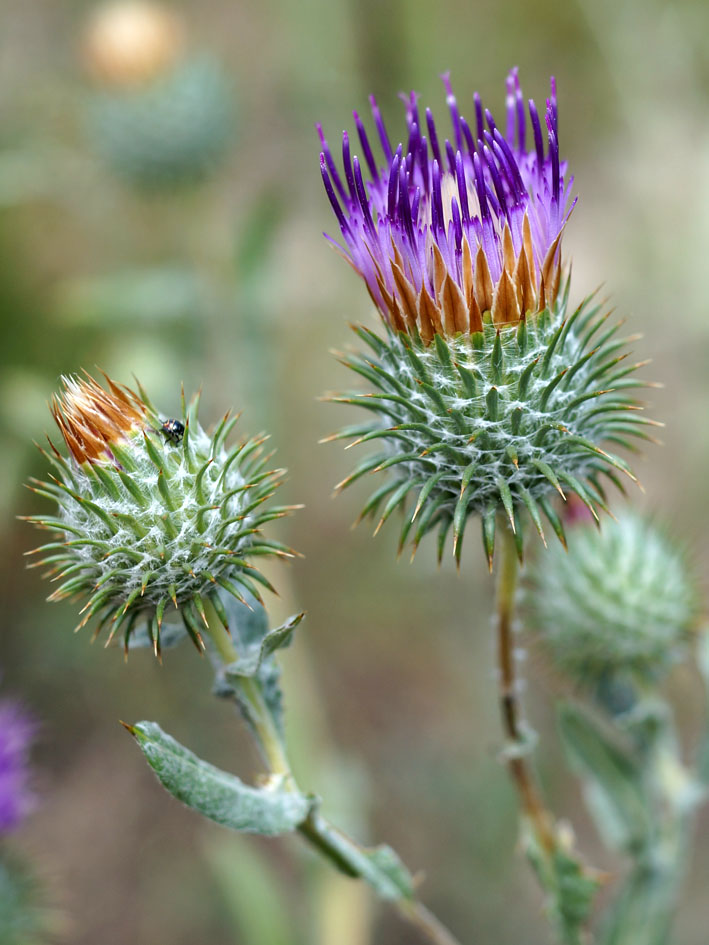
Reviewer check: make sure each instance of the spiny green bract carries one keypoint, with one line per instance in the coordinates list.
(174, 131)
(494, 421)
(621, 600)
(161, 524)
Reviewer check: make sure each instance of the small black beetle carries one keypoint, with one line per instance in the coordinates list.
(174, 430)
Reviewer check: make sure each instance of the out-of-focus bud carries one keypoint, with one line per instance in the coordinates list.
(131, 42)
(163, 114)
(621, 601)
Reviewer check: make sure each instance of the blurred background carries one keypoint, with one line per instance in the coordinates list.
(161, 214)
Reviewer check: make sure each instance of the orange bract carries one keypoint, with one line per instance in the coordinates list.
(91, 418)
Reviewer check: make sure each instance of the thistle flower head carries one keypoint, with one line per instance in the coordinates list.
(621, 601)
(488, 391)
(444, 231)
(152, 512)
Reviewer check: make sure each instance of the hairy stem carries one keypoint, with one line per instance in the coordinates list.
(510, 708)
(336, 847)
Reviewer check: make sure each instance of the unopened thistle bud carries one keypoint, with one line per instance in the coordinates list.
(152, 513)
(622, 600)
(163, 116)
(489, 392)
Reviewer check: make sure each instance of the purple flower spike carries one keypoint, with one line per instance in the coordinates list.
(16, 733)
(442, 235)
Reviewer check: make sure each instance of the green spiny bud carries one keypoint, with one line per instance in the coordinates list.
(621, 601)
(496, 420)
(171, 131)
(152, 513)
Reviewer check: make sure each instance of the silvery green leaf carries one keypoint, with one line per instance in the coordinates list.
(222, 797)
(255, 654)
(613, 781)
(256, 645)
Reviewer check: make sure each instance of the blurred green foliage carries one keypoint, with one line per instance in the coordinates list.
(229, 284)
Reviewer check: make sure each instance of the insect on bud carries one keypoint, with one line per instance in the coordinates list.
(152, 513)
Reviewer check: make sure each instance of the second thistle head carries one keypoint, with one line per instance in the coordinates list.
(488, 392)
(152, 512)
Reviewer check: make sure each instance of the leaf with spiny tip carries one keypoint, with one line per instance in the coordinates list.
(468, 379)
(355, 430)
(507, 500)
(492, 401)
(551, 346)
(518, 533)
(220, 610)
(554, 520)
(425, 492)
(155, 455)
(524, 379)
(609, 458)
(533, 512)
(497, 360)
(443, 529)
(396, 460)
(488, 529)
(366, 466)
(199, 607)
(164, 491)
(199, 480)
(394, 501)
(404, 534)
(549, 389)
(231, 587)
(375, 500)
(427, 519)
(192, 626)
(460, 516)
(548, 474)
(582, 493)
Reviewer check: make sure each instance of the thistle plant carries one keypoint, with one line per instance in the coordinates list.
(155, 517)
(615, 614)
(489, 392)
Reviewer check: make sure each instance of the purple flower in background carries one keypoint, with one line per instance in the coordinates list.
(446, 230)
(17, 730)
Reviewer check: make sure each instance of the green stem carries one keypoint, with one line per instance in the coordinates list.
(269, 738)
(510, 708)
(340, 850)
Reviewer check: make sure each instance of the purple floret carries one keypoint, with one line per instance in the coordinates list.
(438, 199)
(16, 733)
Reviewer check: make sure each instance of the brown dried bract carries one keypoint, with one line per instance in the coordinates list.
(520, 291)
(91, 419)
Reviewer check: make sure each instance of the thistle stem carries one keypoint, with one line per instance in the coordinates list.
(268, 736)
(330, 842)
(510, 708)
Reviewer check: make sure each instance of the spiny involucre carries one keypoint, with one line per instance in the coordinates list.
(622, 600)
(490, 391)
(152, 513)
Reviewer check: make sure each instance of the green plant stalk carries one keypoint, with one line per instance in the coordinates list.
(320, 834)
(568, 884)
(517, 763)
